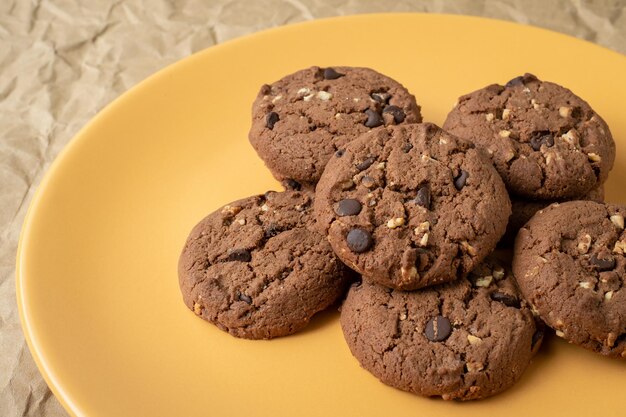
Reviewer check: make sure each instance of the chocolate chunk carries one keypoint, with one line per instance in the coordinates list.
(366, 163)
(438, 329)
(241, 255)
(290, 184)
(359, 240)
(515, 81)
(373, 119)
(423, 197)
(381, 97)
(368, 181)
(521, 80)
(541, 138)
(396, 112)
(331, 74)
(506, 299)
(459, 182)
(340, 153)
(245, 298)
(407, 147)
(603, 264)
(271, 119)
(271, 230)
(348, 207)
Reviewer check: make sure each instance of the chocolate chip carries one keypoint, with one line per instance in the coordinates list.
(537, 337)
(331, 74)
(271, 119)
(396, 112)
(506, 299)
(340, 153)
(423, 197)
(366, 163)
(359, 240)
(245, 298)
(603, 264)
(438, 329)
(271, 230)
(381, 97)
(241, 255)
(368, 181)
(459, 182)
(348, 207)
(373, 119)
(541, 138)
(515, 81)
(521, 80)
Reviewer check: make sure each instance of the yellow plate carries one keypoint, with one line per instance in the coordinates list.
(97, 284)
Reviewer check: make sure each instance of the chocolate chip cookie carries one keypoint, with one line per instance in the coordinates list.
(464, 340)
(523, 209)
(570, 264)
(410, 206)
(299, 121)
(257, 269)
(546, 142)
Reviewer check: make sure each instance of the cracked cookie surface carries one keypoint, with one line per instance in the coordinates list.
(570, 265)
(546, 142)
(464, 340)
(411, 206)
(257, 268)
(301, 120)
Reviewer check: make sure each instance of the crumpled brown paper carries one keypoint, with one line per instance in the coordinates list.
(61, 61)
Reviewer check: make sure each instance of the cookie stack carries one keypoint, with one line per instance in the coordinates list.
(420, 212)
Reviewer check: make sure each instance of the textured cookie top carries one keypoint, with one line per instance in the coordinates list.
(570, 264)
(299, 121)
(411, 206)
(257, 269)
(523, 209)
(464, 340)
(545, 141)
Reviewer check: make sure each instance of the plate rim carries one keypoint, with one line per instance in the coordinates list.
(81, 135)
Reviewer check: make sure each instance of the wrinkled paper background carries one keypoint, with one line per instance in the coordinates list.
(61, 61)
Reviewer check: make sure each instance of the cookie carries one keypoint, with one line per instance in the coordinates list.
(257, 269)
(301, 120)
(546, 142)
(464, 340)
(523, 209)
(570, 265)
(410, 206)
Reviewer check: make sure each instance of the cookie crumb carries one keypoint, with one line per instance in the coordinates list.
(594, 157)
(473, 340)
(584, 244)
(484, 281)
(618, 220)
(395, 222)
(565, 111)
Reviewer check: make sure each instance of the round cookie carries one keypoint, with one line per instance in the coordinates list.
(464, 340)
(522, 210)
(546, 142)
(410, 206)
(301, 120)
(257, 269)
(570, 265)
